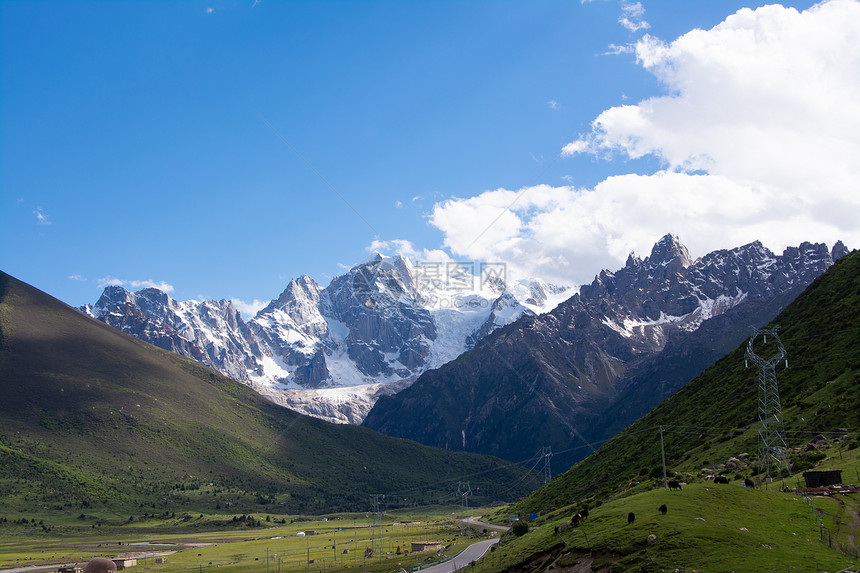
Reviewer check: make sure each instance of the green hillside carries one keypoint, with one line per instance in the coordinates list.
(707, 528)
(714, 417)
(710, 420)
(92, 417)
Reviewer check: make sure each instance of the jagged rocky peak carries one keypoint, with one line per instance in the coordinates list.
(669, 257)
(298, 300)
(669, 251)
(633, 260)
(113, 295)
(838, 251)
(379, 280)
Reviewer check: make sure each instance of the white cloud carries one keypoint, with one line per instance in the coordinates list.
(398, 204)
(408, 250)
(553, 104)
(614, 49)
(80, 278)
(134, 284)
(759, 133)
(631, 16)
(248, 309)
(41, 217)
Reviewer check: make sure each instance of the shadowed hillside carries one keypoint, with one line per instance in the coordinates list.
(92, 416)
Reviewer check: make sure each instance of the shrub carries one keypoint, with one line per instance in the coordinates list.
(520, 528)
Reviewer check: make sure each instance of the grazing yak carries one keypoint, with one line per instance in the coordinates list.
(579, 517)
(630, 517)
(674, 484)
(662, 509)
(721, 479)
(749, 483)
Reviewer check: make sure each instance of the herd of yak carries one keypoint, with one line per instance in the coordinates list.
(672, 485)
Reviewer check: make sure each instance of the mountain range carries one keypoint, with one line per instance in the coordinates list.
(466, 361)
(574, 376)
(709, 428)
(819, 390)
(330, 352)
(92, 417)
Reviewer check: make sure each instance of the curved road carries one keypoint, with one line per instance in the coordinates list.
(471, 553)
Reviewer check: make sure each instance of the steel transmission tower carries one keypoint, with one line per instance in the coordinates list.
(465, 490)
(547, 470)
(771, 449)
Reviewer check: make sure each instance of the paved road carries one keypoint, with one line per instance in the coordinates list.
(473, 521)
(471, 553)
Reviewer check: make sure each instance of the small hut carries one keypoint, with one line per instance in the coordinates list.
(822, 478)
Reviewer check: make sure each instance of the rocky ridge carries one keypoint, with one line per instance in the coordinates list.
(331, 352)
(555, 379)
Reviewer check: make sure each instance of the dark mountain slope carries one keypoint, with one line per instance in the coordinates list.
(93, 415)
(714, 416)
(556, 379)
(660, 376)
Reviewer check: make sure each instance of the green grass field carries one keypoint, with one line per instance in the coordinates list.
(708, 528)
(202, 543)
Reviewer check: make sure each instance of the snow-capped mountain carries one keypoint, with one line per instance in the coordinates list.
(211, 332)
(604, 356)
(331, 352)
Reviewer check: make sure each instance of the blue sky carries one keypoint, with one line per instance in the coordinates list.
(219, 149)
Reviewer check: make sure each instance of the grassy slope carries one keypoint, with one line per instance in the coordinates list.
(714, 416)
(90, 415)
(706, 422)
(703, 530)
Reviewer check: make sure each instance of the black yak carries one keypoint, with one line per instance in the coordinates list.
(721, 479)
(674, 484)
(630, 517)
(662, 509)
(749, 483)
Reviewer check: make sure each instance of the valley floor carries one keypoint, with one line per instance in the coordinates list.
(335, 543)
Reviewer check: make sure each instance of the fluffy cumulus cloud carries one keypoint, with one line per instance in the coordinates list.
(758, 130)
(134, 284)
(249, 309)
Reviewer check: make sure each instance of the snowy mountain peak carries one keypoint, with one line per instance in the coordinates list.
(669, 251)
(384, 322)
(373, 329)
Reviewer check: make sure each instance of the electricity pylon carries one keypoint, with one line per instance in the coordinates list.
(771, 449)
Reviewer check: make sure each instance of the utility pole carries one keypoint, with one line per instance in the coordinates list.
(663, 454)
(547, 470)
(376, 529)
(464, 490)
(771, 450)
